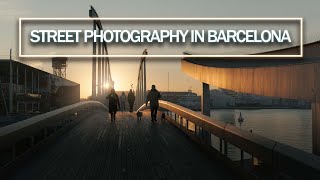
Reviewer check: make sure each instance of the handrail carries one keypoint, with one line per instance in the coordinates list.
(267, 150)
(14, 132)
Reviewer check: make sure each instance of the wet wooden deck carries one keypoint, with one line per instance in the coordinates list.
(126, 149)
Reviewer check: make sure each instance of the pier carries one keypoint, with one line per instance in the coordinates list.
(79, 141)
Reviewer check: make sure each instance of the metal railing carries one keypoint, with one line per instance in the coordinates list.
(258, 156)
(104, 72)
(18, 138)
(142, 82)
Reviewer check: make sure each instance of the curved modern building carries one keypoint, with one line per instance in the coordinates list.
(292, 78)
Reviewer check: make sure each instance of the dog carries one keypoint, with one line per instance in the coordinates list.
(139, 115)
(163, 116)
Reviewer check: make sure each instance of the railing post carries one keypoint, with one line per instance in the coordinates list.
(315, 128)
(252, 159)
(275, 167)
(242, 158)
(220, 145)
(31, 141)
(225, 148)
(45, 132)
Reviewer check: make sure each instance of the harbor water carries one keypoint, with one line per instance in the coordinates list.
(289, 126)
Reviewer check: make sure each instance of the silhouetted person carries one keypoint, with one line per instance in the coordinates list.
(113, 104)
(123, 99)
(153, 96)
(131, 99)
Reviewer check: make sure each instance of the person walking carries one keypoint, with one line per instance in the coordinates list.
(131, 99)
(123, 99)
(153, 96)
(113, 104)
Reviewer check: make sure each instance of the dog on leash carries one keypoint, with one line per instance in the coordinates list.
(163, 116)
(139, 115)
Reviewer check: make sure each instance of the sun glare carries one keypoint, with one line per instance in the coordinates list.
(106, 85)
(117, 86)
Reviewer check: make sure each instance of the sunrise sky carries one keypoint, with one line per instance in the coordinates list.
(124, 71)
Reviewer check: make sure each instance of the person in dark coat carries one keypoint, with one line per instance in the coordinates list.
(131, 99)
(123, 99)
(114, 103)
(153, 96)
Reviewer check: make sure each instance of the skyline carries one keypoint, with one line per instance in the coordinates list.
(124, 70)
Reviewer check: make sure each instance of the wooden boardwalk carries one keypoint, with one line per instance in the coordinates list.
(126, 149)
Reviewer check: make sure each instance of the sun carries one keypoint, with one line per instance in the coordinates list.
(117, 83)
(117, 86)
(106, 85)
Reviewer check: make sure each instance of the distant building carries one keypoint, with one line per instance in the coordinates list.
(186, 99)
(222, 98)
(24, 89)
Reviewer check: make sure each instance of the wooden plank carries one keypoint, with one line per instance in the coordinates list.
(126, 149)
